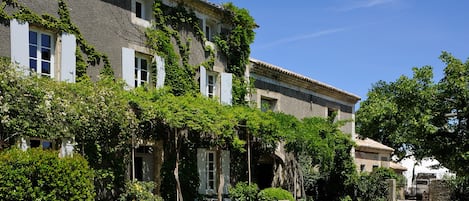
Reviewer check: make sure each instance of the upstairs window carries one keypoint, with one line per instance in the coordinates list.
(41, 51)
(142, 75)
(139, 9)
(211, 85)
(362, 167)
(333, 113)
(210, 29)
(142, 9)
(268, 104)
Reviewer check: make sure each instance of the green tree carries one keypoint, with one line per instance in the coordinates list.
(416, 115)
(325, 156)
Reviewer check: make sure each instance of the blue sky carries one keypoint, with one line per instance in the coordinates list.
(352, 44)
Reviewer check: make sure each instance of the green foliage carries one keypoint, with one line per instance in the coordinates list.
(459, 188)
(244, 192)
(373, 186)
(41, 175)
(137, 190)
(236, 46)
(269, 194)
(397, 113)
(170, 21)
(324, 153)
(95, 113)
(346, 198)
(422, 117)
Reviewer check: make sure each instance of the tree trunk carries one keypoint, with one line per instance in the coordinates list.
(176, 167)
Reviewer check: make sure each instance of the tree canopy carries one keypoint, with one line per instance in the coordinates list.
(419, 116)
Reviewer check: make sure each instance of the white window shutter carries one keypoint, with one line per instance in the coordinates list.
(66, 148)
(201, 165)
(203, 81)
(128, 66)
(68, 58)
(225, 168)
(23, 144)
(226, 88)
(19, 37)
(160, 71)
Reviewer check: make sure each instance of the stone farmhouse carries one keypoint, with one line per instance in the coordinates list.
(114, 32)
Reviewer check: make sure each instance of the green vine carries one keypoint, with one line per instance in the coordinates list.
(168, 23)
(62, 24)
(236, 46)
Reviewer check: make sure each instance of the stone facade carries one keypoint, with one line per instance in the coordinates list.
(300, 96)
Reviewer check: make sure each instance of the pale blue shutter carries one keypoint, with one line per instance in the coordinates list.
(225, 165)
(226, 88)
(68, 58)
(19, 37)
(203, 81)
(160, 71)
(201, 164)
(128, 66)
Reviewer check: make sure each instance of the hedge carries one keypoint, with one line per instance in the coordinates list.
(36, 174)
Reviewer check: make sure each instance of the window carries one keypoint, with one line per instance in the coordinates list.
(139, 9)
(41, 51)
(362, 167)
(268, 104)
(144, 165)
(330, 112)
(333, 112)
(210, 29)
(211, 170)
(142, 75)
(375, 166)
(207, 161)
(384, 158)
(141, 12)
(211, 85)
(41, 143)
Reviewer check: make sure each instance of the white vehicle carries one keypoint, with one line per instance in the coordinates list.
(421, 185)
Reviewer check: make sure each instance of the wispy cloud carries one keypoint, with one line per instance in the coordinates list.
(365, 4)
(302, 37)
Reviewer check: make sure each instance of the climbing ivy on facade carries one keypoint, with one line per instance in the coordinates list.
(61, 24)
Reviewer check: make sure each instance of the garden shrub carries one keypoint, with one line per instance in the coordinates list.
(459, 186)
(36, 174)
(244, 192)
(373, 186)
(139, 190)
(270, 194)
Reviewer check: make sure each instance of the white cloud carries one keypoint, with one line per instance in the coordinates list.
(365, 4)
(302, 37)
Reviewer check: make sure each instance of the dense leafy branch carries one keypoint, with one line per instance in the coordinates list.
(415, 115)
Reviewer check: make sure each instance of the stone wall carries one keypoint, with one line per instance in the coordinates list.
(439, 191)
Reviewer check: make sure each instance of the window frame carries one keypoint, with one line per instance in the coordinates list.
(272, 103)
(213, 85)
(146, 14)
(138, 81)
(41, 143)
(142, 9)
(39, 57)
(144, 155)
(208, 186)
